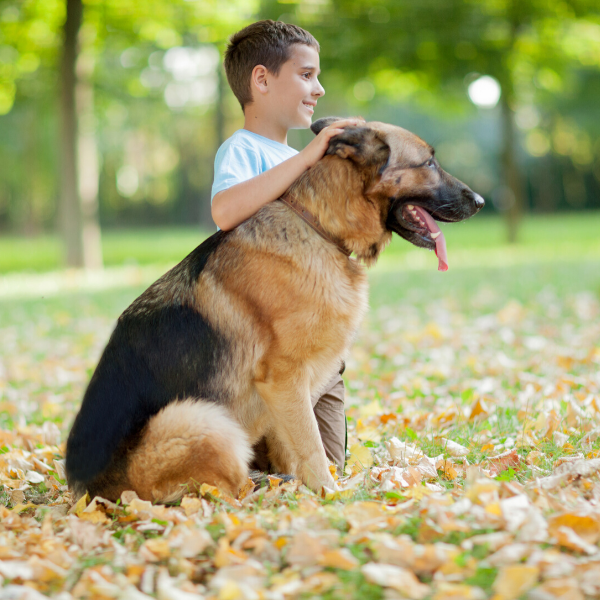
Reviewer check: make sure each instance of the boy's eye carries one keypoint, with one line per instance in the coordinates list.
(307, 75)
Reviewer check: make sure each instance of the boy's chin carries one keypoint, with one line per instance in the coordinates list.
(303, 123)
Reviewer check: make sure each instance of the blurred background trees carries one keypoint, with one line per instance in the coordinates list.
(508, 91)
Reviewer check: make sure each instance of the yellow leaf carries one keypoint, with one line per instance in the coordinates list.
(230, 591)
(585, 526)
(566, 537)
(191, 505)
(513, 581)
(281, 542)
(370, 410)
(339, 559)
(448, 468)
(361, 455)
(274, 482)
(19, 508)
(206, 488)
(226, 555)
(446, 416)
(159, 547)
(494, 509)
(369, 434)
(96, 516)
(417, 492)
(246, 489)
(333, 471)
(483, 491)
(339, 494)
(479, 409)
(81, 504)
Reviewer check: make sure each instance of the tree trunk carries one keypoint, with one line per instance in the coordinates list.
(77, 210)
(88, 168)
(220, 107)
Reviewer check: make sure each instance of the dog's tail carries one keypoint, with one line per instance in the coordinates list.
(188, 443)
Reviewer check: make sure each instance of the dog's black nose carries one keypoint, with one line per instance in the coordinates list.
(479, 201)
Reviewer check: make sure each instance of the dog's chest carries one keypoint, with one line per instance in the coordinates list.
(339, 302)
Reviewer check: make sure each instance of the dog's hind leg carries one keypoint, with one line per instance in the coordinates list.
(186, 444)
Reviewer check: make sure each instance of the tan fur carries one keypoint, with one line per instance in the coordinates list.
(186, 444)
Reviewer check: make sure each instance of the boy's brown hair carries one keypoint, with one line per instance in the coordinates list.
(264, 43)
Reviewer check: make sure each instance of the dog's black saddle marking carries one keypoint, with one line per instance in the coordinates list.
(158, 353)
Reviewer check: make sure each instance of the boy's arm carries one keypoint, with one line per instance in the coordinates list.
(239, 202)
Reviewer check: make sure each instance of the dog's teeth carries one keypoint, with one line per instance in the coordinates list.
(414, 212)
(409, 206)
(436, 235)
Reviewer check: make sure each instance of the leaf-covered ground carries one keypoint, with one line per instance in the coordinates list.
(473, 401)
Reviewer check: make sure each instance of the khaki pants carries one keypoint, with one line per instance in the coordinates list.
(329, 412)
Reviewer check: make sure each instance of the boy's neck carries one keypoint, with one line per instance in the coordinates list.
(257, 122)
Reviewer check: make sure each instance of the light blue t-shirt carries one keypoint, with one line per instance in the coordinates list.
(245, 155)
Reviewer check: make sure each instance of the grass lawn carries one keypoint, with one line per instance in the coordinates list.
(473, 403)
(481, 240)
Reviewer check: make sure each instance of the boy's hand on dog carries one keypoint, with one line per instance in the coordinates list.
(317, 148)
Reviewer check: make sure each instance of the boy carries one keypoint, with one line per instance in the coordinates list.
(272, 68)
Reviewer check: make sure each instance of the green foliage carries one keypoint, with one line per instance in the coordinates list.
(397, 61)
(355, 586)
(484, 577)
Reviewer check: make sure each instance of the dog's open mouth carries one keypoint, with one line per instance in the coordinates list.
(422, 223)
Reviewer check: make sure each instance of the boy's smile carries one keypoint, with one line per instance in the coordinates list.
(288, 100)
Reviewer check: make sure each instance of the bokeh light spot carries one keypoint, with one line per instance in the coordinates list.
(485, 92)
(364, 91)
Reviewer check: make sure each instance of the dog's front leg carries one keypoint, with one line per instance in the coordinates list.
(296, 429)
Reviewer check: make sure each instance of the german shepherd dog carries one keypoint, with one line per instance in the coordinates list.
(229, 346)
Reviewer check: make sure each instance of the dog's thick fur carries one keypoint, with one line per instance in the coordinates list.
(229, 346)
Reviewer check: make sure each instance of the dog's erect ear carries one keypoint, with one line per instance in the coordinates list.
(320, 124)
(359, 144)
(353, 144)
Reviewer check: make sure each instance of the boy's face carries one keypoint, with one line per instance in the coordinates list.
(293, 93)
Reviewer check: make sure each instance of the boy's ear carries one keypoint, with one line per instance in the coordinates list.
(359, 144)
(259, 78)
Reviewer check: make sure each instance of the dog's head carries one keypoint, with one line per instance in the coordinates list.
(407, 184)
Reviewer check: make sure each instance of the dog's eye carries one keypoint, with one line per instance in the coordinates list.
(430, 163)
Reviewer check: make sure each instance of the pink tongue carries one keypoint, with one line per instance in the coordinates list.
(440, 242)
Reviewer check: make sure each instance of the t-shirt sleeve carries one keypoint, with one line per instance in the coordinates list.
(234, 164)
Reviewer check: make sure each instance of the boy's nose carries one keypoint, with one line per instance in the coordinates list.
(319, 91)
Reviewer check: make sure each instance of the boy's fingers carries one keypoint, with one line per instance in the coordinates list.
(344, 123)
(347, 122)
